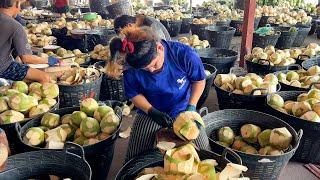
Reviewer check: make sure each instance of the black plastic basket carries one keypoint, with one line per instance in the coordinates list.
(310, 60)
(186, 25)
(264, 21)
(111, 89)
(235, 118)
(154, 158)
(222, 59)
(229, 100)
(68, 163)
(209, 82)
(220, 36)
(308, 151)
(173, 27)
(237, 24)
(286, 38)
(12, 133)
(256, 22)
(261, 69)
(119, 8)
(199, 30)
(223, 23)
(72, 95)
(286, 87)
(98, 155)
(301, 36)
(264, 41)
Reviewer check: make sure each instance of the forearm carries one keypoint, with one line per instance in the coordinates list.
(196, 91)
(142, 103)
(31, 59)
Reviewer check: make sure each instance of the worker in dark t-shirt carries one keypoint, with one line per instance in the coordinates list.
(14, 38)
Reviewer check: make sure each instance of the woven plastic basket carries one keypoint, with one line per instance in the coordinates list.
(120, 8)
(111, 89)
(286, 38)
(154, 158)
(310, 62)
(12, 134)
(186, 25)
(301, 36)
(68, 163)
(220, 36)
(209, 82)
(222, 59)
(264, 41)
(308, 151)
(72, 95)
(199, 30)
(259, 167)
(98, 155)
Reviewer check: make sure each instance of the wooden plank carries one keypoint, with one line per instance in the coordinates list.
(248, 29)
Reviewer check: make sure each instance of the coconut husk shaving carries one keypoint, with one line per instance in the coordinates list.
(79, 75)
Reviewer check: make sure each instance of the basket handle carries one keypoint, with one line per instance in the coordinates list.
(118, 111)
(18, 129)
(293, 66)
(264, 60)
(303, 55)
(227, 151)
(74, 149)
(257, 89)
(300, 133)
(205, 110)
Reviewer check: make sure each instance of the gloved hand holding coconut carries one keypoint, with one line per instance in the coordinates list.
(187, 124)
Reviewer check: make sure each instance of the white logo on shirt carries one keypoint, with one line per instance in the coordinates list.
(182, 82)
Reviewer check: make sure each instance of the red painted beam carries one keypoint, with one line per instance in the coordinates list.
(247, 29)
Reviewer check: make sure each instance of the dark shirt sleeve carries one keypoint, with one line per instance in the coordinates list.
(20, 42)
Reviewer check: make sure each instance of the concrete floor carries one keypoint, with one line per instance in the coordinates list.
(293, 171)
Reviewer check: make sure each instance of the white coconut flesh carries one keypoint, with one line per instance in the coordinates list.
(33, 137)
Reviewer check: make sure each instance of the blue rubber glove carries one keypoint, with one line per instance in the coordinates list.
(191, 107)
(52, 61)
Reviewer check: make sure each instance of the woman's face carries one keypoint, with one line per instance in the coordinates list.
(157, 63)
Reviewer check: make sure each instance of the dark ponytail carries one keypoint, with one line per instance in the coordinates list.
(115, 48)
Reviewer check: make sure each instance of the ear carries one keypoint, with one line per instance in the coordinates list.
(160, 47)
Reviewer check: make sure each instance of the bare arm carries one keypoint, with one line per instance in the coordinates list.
(196, 91)
(142, 103)
(31, 59)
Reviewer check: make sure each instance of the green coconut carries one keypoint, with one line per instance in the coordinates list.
(50, 90)
(69, 130)
(77, 117)
(21, 102)
(264, 138)
(89, 106)
(249, 149)
(314, 93)
(48, 101)
(275, 100)
(299, 108)
(3, 105)
(250, 132)
(90, 141)
(37, 110)
(226, 134)
(302, 97)
(35, 87)
(311, 116)
(268, 150)
(50, 120)
(80, 140)
(11, 116)
(66, 119)
(238, 143)
(101, 112)
(34, 136)
(292, 75)
(280, 138)
(90, 127)
(20, 86)
(109, 124)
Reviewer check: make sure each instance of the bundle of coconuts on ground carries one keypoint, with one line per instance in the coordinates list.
(184, 163)
(90, 125)
(253, 140)
(247, 84)
(21, 101)
(301, 78)
(307, 106)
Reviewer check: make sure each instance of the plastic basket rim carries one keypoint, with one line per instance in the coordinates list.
(230, 51)
(257, 155)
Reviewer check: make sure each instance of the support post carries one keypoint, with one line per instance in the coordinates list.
(248, 29)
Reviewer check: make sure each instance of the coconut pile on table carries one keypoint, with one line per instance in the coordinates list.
(254, 140)
(90, 125)
(21, 102)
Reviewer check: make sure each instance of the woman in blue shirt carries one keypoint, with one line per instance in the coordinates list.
(163, 78)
